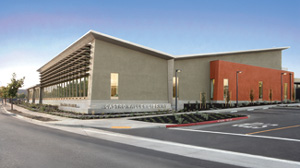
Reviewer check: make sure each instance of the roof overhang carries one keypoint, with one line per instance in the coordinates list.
(35, 86)
(130, 45)
(91, 35)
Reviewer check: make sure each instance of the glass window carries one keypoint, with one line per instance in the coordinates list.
(114, 83)
(86, 84)
(174, 87)
(285, 90)
(68, 89)
(260, 89)
(66, 93)
(81, 87)
(212, 85)
(62, 89)
(71, 88)
(76, 87)
(225, 88)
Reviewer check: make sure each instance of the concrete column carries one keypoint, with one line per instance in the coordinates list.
(170, 81)
(28, 92)
(90, 78)
(33, 95)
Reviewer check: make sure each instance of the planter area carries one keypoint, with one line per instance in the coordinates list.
(211, 106)
(53, 110)
(189, 118)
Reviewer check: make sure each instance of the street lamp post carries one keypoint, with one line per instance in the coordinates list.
(281, 86)
(291, 77)
(176, 97)
(237, 87)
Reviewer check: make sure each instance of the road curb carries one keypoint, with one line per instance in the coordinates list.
(207, 122)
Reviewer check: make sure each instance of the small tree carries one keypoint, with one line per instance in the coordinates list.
(13, 87)
(271, 95)
(251, 96)
(197, 105)
(203, 99)
(21, 96)
(227, 97)
(3, 93)
(294, 96)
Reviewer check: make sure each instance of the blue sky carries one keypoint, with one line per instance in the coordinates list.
(33, 32)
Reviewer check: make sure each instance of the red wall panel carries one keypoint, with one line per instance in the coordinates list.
(249, 79)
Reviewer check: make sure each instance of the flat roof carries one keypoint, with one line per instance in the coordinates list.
(297, 80)
(228, 53)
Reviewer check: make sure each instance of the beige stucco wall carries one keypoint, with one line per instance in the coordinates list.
(141, 76)
(195, 75)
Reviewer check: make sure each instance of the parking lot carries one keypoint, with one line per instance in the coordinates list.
(270, 132)
(276, 122)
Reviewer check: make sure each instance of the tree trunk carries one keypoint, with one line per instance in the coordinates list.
(11, 103)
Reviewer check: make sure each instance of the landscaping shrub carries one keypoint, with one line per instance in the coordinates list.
(271, 95)
(203, 100)
(227, 97)
(188, 118)
(245, 103)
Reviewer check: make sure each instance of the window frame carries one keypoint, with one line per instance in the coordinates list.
(225, 92)
(116, 87)
(260, 90)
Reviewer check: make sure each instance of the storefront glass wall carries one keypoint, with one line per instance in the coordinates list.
(72, 88)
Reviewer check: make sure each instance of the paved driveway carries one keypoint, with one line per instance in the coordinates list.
(275, 122)
(272, 133)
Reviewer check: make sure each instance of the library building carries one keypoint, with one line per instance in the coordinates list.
(99, 73)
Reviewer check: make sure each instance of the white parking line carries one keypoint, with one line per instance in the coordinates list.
(244, 135)
(197, 152)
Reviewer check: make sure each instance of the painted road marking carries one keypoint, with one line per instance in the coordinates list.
(120, 127)
(197, 152)
(293, 126)
(243, 135)
(256, 125)
(250, 109)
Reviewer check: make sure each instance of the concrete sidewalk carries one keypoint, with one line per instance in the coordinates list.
(23, 110)
(125, 123)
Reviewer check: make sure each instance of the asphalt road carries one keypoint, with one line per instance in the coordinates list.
(25, 145)
(274, 133)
